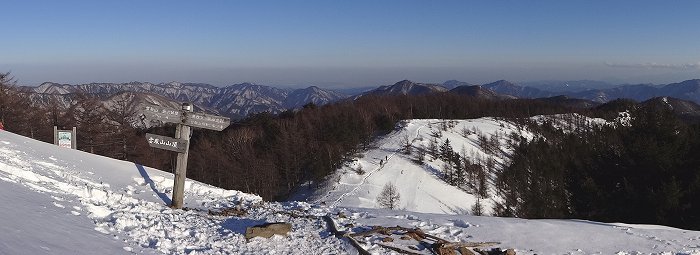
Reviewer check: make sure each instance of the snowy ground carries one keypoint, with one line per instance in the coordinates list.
(62, 201)
(420, 184)
(539, 236)
(420, 187)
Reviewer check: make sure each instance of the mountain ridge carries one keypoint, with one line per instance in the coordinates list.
(242, 99)
(236, 100)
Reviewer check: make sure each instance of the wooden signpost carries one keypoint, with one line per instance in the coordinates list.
(184, 119)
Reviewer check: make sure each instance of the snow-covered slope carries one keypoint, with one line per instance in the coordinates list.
(420, 186)
(61, 201)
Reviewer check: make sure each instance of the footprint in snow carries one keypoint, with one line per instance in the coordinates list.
(75, 213)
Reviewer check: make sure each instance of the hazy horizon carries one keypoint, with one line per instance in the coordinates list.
(349, 44)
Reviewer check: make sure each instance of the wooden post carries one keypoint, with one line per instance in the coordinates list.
(55, 135)
(182, 132)
(74, 139)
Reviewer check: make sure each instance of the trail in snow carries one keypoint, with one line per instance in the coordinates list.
(420, 185)
(368, 175)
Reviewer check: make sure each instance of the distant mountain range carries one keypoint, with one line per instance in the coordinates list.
(568, 86)
(240, 100)
(686, 90)
(235, 101)
(407, 87)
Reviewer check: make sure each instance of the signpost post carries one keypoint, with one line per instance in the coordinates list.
(181, 132)
(184, 119)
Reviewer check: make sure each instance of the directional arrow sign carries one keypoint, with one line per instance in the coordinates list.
(166, 143)
(163, 114)
(208, 121)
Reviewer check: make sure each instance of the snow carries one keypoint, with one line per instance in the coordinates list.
(569, 122)
(62, 201)
(540, 236)
(34, 224)
(420, 186)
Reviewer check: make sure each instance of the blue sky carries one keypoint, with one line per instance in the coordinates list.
(349, 43)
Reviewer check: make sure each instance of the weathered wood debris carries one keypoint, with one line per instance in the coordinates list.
(413, 241)
(398, 239)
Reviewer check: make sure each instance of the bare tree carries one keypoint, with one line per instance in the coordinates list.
(478, 208)
(406, 144)
(7, 96)
(420, 155)
(121, 118)
(16, 111)
(465, 132)
(433, 148)
(390, 197)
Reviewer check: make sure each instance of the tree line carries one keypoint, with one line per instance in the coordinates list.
(271, 155)
(643, 171)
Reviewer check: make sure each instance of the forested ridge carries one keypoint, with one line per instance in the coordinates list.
(646, 170)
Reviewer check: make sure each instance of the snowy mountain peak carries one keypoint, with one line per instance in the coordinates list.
(312, 94)
(508, 88)
(407, 87)
(52, 88)
(477, 91)
(451, 84)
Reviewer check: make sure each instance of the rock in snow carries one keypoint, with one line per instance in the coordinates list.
(268, 230)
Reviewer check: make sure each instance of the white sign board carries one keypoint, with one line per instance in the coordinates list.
(163, 114)
(65, 139)
(202, 120)
(167, 143)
